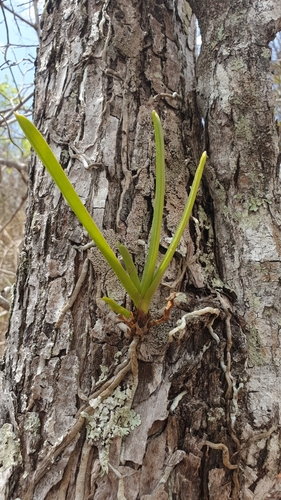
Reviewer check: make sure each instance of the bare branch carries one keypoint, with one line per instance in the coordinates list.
(4, 303)
(9, 273)
(18, 106)
(20, 166)
(36, 13)
(13, 215)
(17, 164)
(10, 137)
(6, 23)
(18, 16)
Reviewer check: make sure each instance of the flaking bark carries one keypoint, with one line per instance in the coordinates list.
(102, 68)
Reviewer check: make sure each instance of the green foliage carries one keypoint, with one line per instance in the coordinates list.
(141, 292)
(7, 93)
(149, 268)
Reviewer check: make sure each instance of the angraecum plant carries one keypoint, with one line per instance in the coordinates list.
(140, 289)
(111, 401)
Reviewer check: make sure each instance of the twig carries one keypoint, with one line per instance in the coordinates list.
(4, 303)
(9, 273)
(15, 14)
(14, 214)
(18, 106)
(225, 453)
(20, 166)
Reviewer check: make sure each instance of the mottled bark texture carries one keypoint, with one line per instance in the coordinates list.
(182, 411)
(244, 181)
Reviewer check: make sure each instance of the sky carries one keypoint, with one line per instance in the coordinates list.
(18, 42)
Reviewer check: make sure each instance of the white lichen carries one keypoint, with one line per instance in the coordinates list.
(32, 427)
(10, 454)
(103, 375)
(112, 418)
(32, 423)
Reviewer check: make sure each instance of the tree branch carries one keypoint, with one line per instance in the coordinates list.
(15, 14)
(13, 215)
(4, 303)
(18, 106)
(17, 164)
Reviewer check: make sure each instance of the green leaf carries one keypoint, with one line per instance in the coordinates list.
(142, 292)
(130, 266)
(116, 307)
(150, 264)
(177, 236)
(49, 160)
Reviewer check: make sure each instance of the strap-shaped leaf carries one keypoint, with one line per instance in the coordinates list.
(177, 236)
(129, 265)
(142, 292)
(49, 160)
(150, 264)
(116, 307)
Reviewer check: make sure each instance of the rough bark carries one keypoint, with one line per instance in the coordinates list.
(180, 419)
(234, 92)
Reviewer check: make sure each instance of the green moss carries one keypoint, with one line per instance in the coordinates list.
(117, 357)
(70, 335)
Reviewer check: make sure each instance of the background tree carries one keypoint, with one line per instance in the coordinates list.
(276, 67)
(205, 416)
(17, 55)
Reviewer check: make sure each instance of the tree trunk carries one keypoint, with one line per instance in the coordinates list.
(234, 91)
(186, 410)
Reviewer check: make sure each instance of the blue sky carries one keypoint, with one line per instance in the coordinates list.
(22, 40)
